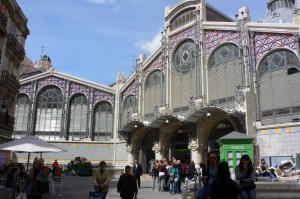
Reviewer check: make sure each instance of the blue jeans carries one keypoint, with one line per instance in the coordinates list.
(204, 191)
(173, 187)
(248, 194)
(154, 181)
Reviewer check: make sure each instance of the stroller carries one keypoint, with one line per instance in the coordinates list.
(96, 195)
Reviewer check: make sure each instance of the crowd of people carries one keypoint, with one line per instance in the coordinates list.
(34, 183)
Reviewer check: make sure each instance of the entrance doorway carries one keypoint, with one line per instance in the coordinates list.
(179, 145)
(146, 152)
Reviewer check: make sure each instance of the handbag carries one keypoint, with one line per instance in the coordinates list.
(171, 178)
(43, 187)
(246, 186)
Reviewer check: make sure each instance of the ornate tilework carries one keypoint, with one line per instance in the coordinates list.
(156, 64)
(264, 42)
(26, 88)
(280, 141)
(214, 38)
(100, 95)
(190, 33)
(78, 88)
(130, 90)
(51, 80)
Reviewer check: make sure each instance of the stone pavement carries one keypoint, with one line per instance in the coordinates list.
(75, 187)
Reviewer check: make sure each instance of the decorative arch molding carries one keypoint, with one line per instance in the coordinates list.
(130, 90)
(264, 42)
(100, 95)
(156, 64)
(51, 80)
(74, 88)
(214, 38)
(26, 88)
(176, 39)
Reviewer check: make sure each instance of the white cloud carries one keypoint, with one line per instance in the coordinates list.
(101, 1)
(149, 46)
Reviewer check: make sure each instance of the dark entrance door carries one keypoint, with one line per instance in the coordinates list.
(180, 145)
(147, 152)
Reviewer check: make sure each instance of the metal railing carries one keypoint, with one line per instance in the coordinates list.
(9, 80)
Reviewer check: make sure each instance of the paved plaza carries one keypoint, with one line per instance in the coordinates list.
(75, 187)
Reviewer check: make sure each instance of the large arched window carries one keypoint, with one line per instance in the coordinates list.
(103, 121)
(279, 94)
(128, 108)
(78, 117)
(49, 110)
(153, 88)
(22, 116)
(224, 75)
(184, 76)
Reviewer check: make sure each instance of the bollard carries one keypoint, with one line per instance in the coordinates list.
(184, 187)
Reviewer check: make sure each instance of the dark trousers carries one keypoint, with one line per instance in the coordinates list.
(127, 198)
(138, 179)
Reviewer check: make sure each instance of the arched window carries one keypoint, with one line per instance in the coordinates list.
(22, 116)
(182, 18)
(128, 108)
(49, 110)
(184, 77)
(103, 121)
(153, 86)
(224, 75)
(184, 57)
(78, 117)
(279, 94)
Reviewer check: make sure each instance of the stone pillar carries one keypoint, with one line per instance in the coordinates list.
(195, 156)
(160, 151)
(202, 152)
(132, 154)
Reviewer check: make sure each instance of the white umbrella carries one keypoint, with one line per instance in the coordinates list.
(30, 144)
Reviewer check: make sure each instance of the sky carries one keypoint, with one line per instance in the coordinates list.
(94, 39)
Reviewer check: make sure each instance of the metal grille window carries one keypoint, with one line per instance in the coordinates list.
(183, 59)
(183, 75)
(279, 94)
(78, 116)
(128, 107)
(224, 75)
(153, 86)
(49, 110)
(103, 121)
(182, 18)
(22, 116)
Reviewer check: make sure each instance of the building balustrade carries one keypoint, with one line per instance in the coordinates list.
(9, 81)
(14, 48)
(6, 121)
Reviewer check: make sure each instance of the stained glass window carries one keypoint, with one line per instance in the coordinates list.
(184, 57)
(103, 121)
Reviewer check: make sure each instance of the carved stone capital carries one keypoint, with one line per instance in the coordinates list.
(202, 145)
(193, 145)
(156, 148)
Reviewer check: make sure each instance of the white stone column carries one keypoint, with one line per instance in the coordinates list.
(131, 155)
(160, 151)
(195, 156)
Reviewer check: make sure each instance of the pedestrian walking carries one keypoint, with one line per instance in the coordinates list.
(153, 172)
(101, 179)
(127, 186)
(137, 172)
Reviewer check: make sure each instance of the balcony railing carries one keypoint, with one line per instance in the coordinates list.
(9, 81)
(14, 47)
(3, 22)
(6, 120)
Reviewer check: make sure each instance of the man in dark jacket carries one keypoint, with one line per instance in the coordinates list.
(137, 172)
(127, 186)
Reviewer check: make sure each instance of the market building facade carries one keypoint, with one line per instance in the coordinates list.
(211, 76)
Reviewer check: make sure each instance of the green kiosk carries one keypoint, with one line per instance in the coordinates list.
(233, 146)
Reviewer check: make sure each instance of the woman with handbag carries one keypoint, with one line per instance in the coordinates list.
(245, 176)
(101, 179)
(37, 183)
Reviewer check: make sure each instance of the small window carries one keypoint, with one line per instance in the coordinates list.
(291, 71)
